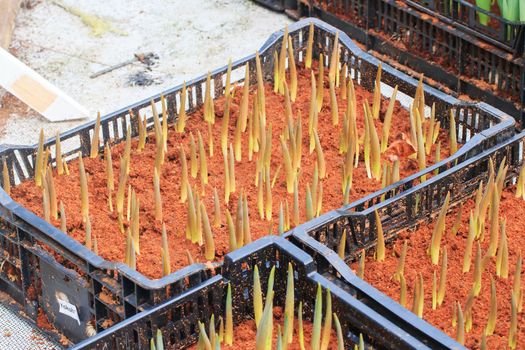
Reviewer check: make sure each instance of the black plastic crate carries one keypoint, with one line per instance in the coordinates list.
(409, 39)
(178, 317)
(508, 35)
(67, 268)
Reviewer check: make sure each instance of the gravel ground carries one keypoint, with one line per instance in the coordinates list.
(188, 37)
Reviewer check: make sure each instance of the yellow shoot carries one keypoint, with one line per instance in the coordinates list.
(58, 155)
(315, 343)
(231, 231)
(339, 332)
(452, 134)
(361, 267)
(375, 149)
(327, 327)
(158, 198)
(95, 140)
(468, 311)
(293, 70)
(38, 165)
(127, 150)
(209, 244)
(429, 139)
(83, 188)
(227, 87)
(261, 98)
(320, 156)
(239, 226)
(237, 141)
(334, 59)
(342, 245)
(470, 240)
(313, 116)
(130, 256)
(516, 284)
(128, 212)
(260, 196)
(319, 196)
(164, 123)
(109, 175)
(194, 165)
(380, 250)
(197, 238)
(203, 161)
(309, 204)
(502, 259)
(165, 252)
(289, 309)
(225, 125)
(281, 219)
(63, 220)
(245, 98)
(210, 140)
(494, 223)
(309, 47)
(491, 322)
(520, 183)
(209, 109)
(275, 72)
(192, 216)
(366, 141)
(513, 329)
(52, 193)
(403, 291)
(320, 83)
(282, 62)
(419, 297)
(45, 204)
(460, 330)
(479, 266)
(184, 178)
(300, 332)
(142, 132)
(228, 332)
(180, 125)
(123, 178)
(400, 270)
(421, 156)
(257, 296)
(269, 204)
(376, 106)
(333, 104)
(134, 223)
(189, 257)
(442, 278)
(388, 121)
(264, 334)
(439, 228)
(217, 220)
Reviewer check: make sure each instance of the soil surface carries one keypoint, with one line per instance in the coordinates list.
(458, 284)
(111, 243)
(244, 334)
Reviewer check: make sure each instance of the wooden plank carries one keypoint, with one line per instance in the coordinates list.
(8, 12)
(35, 91)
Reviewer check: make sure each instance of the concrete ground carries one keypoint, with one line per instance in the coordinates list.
(66, 41)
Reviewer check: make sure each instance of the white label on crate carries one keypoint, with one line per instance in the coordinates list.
(68, 309)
